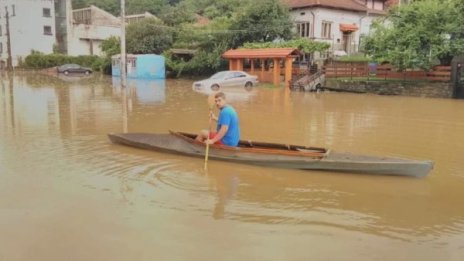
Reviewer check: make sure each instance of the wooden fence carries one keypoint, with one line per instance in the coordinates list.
(363, 69)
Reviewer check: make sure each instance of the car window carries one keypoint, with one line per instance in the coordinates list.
(219, 75)
(239, 74)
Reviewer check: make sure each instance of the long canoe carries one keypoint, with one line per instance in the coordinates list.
(275, 155)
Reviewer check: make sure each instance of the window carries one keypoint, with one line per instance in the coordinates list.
(303, 29)
(47, 30)
(0, 30)
(13, 10)
(46, 12)
(1, 47)
(326, 30)
(238, 75)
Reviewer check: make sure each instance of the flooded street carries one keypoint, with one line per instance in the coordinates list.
(67, 193)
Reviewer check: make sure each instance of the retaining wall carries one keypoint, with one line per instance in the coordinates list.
(419, 89)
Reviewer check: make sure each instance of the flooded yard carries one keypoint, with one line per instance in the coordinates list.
(67, 193)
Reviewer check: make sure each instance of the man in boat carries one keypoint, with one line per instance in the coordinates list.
(228, 127)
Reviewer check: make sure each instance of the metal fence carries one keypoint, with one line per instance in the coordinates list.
(384, 72)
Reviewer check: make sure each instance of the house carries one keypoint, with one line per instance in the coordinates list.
(88, 27)
(341, 23)
(25, 25)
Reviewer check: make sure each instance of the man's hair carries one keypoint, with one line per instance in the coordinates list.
(220, 95)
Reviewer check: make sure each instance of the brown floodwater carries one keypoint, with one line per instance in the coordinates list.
(67, 193)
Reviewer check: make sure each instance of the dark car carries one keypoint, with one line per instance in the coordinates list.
(73, 68)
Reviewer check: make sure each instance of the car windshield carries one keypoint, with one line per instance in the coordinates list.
(219, 75)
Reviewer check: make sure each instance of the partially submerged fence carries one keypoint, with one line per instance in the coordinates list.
(385, 72)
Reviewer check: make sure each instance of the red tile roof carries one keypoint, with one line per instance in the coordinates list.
(348, 27)
(351, 5)
(260, 53)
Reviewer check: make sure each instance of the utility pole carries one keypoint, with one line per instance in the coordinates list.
(123, 44)
(9, 61)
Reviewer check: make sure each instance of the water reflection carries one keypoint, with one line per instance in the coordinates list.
(53, 130)
(143, 91)
(225, 185)
(235, 94)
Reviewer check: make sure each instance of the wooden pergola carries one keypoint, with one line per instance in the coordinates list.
(238, 57)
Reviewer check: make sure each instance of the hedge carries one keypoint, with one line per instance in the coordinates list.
(41, 61)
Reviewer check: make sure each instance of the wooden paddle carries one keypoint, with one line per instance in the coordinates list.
(210, 104)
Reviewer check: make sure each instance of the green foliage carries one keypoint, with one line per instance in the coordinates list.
(213, 9)
(132, 6)
(178, 15)
(148, 36)
(202, 63)
(111, 6)
(38, 60)
(262, 21)
(111, 46)
(415, 35)
(304, 45)
(142, 6)
(354, 58)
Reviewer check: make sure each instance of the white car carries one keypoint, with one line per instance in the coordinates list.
(226, 79)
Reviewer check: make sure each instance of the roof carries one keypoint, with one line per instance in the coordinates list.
(348, 27)
(351, 5)
(261, 53)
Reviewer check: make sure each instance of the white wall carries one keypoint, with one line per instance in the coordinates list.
(104, 25)
(27, 27)
(78, 35)
(337, 17)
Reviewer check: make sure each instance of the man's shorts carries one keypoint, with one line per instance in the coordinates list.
(212, 135)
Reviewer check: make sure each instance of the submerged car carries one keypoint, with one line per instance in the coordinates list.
(226, 79)
(73, 68)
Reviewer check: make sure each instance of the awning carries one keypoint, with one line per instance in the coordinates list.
(348, 28)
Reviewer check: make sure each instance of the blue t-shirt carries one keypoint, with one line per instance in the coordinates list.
(229, 117)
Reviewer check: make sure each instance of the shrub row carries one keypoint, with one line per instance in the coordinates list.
(38, 60)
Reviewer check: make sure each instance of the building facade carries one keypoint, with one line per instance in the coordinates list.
(25, 25)
(88, 28)
(342, 24)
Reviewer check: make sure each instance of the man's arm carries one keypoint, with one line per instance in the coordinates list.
(222, 131)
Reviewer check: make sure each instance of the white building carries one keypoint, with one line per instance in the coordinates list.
(340, 23)
(31, 26)
(88, 27)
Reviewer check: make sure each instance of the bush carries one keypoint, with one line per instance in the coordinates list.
(38, 60)
(354, 58)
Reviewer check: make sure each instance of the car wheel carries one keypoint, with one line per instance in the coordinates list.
(214, 87)
(66, 72)
(318, 87)
(248, 86)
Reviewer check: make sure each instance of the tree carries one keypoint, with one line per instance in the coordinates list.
(142, 6)
(301, 44)
(262, 21)
(178, 15)
(148, 36)
(415, 35)
(111, 6)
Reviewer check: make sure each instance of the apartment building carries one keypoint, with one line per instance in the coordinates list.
(25, 25)
(342, 24)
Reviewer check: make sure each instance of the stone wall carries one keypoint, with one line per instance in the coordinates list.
(420, 89)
